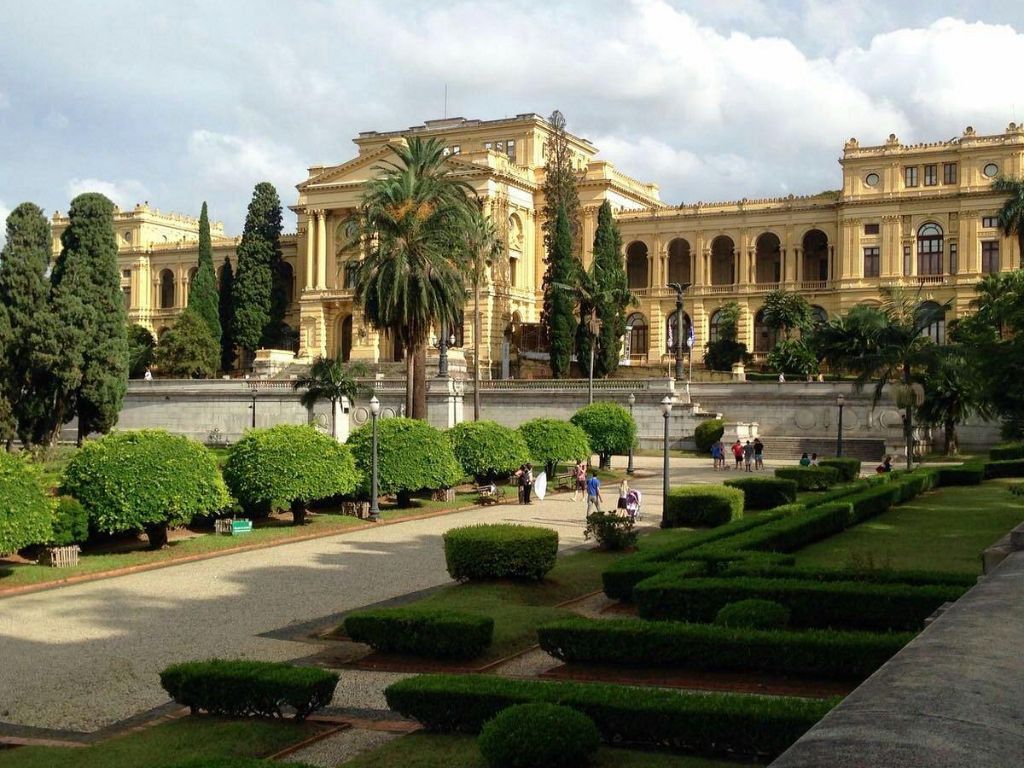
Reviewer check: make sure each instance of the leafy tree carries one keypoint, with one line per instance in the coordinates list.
(562, 271)
(609, 427)
(487, 450)
(87, 296)
(8, 426)
(288, 466)
(785, 311)
(226, 311)
(612, 296)
(729, 321)
(25, 510)
(33, 349)
(259, 259)
(188, 350)
(329, 379)
(886, 346)
(998, 304)
(952, 394)
(1011, 215)
(552, 441)
(202, 296)
(793, 356)
(141, 348)
(410, 278)
(720, 355)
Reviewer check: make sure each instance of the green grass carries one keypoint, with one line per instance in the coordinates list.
(423, 750)
(944, 530)
(170, 743)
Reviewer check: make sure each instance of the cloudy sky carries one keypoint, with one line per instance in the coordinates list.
(711, 100)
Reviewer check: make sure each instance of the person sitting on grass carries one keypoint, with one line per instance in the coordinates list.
(805, 461)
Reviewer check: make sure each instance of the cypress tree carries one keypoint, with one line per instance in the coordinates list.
(87, 297)
(202, 296)
(7, 423)
(612, 295)
(257, 305)
(33, 348)
(227, 316)
(560, 320)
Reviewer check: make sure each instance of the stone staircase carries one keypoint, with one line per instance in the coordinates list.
(863, 448)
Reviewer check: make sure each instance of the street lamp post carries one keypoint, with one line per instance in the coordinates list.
(679, 288)
(374, 508)
(254, 389)
(666, 411)
(629, 466)
(840, 401)
(442, 353)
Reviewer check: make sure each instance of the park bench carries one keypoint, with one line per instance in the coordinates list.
(490, 494)
(565, 480)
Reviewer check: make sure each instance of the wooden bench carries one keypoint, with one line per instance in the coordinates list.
(490, 495)
(565, 480)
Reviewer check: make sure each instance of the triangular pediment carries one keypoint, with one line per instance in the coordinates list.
(357, 169)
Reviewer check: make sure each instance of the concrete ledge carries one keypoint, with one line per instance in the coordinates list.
(951, 698)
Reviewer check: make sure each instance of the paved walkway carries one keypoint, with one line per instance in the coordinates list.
(85, 657)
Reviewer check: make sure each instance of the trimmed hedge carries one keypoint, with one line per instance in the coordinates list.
(433, 634)
(25, 510)
(842, 604)
(551, 441)
(539, 735)
(787, 533)
(249, 688)
(632, 642)
(1009, 468)
(707, 433)
(486, 450)
(1007, 452)
(500, 551)
(754, 726)
(849, 469)
(753, 614)
(968, 474)
(810, 478)
(873, 502)
(873, 576)
(764, 492)
(711, 505)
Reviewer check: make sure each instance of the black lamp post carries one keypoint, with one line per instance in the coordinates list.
(666, 411)
(442, 353)
(679, 288)
(374, 508)
(840, 401)
(254, 388)
(631, 400)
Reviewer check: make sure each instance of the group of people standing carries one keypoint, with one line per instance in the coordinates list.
(748, 456)
(524, 480)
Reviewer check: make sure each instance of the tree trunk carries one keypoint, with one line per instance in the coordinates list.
(952, 443)
(908, 419)
(334, 418)
(476, 351)
(404, 499)
(81, 433)
(157, 534)
(419, 399)
(410, 379)
(298, 509)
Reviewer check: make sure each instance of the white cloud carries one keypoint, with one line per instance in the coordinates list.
(4, 213)
(227, 161)
(125, 193)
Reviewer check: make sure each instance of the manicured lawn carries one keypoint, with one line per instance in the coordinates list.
(168, 744)
(422, 750)
(943, 530)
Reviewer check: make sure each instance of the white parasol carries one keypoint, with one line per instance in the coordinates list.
(540, 485)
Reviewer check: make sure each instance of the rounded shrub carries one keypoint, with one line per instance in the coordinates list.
(287, 467)
(426, 632)
(411, 456)
(707, 433)
(702, 505)
(609, 427)
(538, 735)
(551, 441)
(70, 522)
(848, 468)
(25, 510)
(487, 450)
(810, 478)
(500, 551)
(753, 614)
(764, 492)
(611, 531)
(144, 480)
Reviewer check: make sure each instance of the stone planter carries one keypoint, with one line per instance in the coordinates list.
(60, 557)
(444, 494)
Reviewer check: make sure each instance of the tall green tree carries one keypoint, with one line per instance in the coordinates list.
(1011, 215)
(226, 312)
(202, 295)
(87, 296)
(8, 426)
(612, 295)
(563, 271)
(786, 312)
(952, 394)
(188, 350)
(33, 346)
(256, 321)
(331, 380)
(411, 277)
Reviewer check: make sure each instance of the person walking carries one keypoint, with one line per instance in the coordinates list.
(520, 477)
(623, 493)
(758, 453)
(579, 476)
(748, 457)
(737, 453)
(716, 455)
(593, 493)
(527, 483)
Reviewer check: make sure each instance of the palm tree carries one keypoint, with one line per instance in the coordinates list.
(1011, 215)
(998, 301)
(887, 345)
(408, 281)
(952, 394)
(329, 380)
(481, 247)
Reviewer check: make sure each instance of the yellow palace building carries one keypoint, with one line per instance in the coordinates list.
(920, 216)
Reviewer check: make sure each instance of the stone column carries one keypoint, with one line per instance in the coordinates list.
(310, 243)
(798, 253)
(321, 250)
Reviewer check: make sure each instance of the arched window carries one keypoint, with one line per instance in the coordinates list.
(345, 339)
(937, 330)
(723, 261)
(679, 262)
(768, 259)
(815, 244)
(765, 338)
(637, 338)
(670, 333)
(929, 249)
(713, 326)
(459, 331)
(637, 273)
(192, 276)
(818, 315)
(166, 289)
